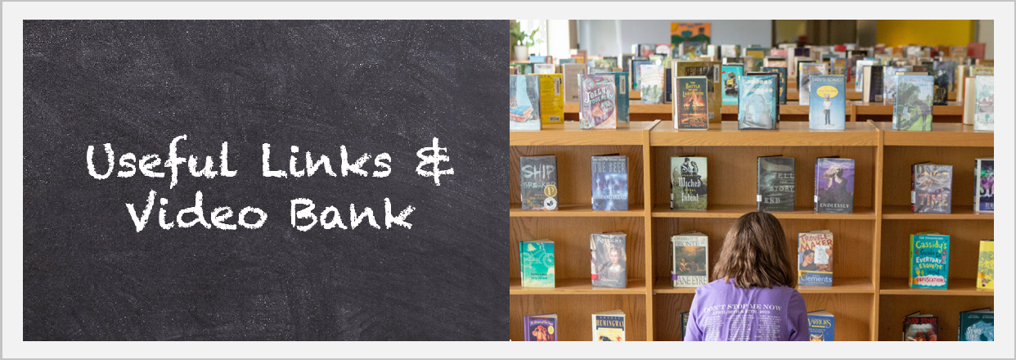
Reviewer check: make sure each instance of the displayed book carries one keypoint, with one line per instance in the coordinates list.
(912, 105)
(600, 70)
(625, 60)
(984, 109)
(984, 186)
(543, 68)
(981, 70)
(827, 107)
(729, 74)
(539, 182)
(774, 61)
(669, 93)
(944, 72)
(873, 84)
(838, 66)
(689, 254)
(815, 258)
(711, 70)
(806, 72)
(986, 265)
(525, 102)
(691, 103)
(653, 84)
(920, 327)
(608, 326)
(929, 260)
(889, 82)
(859, 73)
(969, 99)
(958, 51)
(551, 97)
(537, 261)
(977, 325)
(621, 101)
(636, 73)
(597, 101)
(834, 185)
(540, 327)
(756, 103)
(758, 54)
(609, 182)
(730, 50)
(571, 74)
(608, 260)
(821, 326)
(684, 324)
(688, 183)
(782, 75)
(931, 188)
(775, 183)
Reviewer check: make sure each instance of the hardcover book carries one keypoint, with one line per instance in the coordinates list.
(873, 84)
(551, 98)
(977, 325)
(770, 61)
(912, 106)
(918, 327)
(944, 72)
(730, 73)
(969, 99)
(621, 89)
(691, 105)
(984, 110)
(537, 262)
(889, 82)
(756, 104)
(834, 185)
(821, 326)
(597, 101)
(775, 183)
(980, 70)
(571, 81)
(730, 50)
(669, 94)
(609, 182)
(684, 324)
(608, 326)
(653, 84)
(859, 73)
(815, 258)
(984, 187)
(986, 265)
(929, 260)
(711, 70)
(782, 75)
(806, 71)
(758, 56)
(626, 62)
(608, 260)
(636, 73)
(689, 254)
(539, 182)
(688, 183)
(525, 102)
(827, 108)
(931, 188)
(838, 66)
(540, 327)
(542, 69)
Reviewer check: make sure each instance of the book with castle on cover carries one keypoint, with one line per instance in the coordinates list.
(984, 108)
(775, 183)
(977, 325)
(711, 70)
(688, 183)
(551, 98)
(525, 102)
(929, 260)
(539, 182)
(931, 188)
(540, 327)
(986, 265)
(834, 185)
(691, 103)
(608, 260)
(827, 108)
(756, 105)
(912, 104)
(984, 186)
(597, 101)
(920, 327)
(537, 262)
(689, 254)
(653, 84)
(608, 326)
(609, 183)
(821, 326)
(815, 258)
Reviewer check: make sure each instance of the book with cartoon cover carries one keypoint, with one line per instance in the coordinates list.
(597, 101)
(815, 258)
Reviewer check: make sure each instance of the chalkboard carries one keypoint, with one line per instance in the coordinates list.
(370, 87)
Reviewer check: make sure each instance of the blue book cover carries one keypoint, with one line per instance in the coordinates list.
(977, 325)
(912, 104)
(621, 89)
(756, 103)
(929, 261)
(729, 75)
(821, 326)
(525, 102)
(610, 182)
(782, 70)
(540, 327)
(827, 106)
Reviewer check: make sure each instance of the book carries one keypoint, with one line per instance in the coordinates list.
(873, 84)
(931, 188)
(551, 98)
(920, 327)
(980, 70)
(541, 69)
(730, 73)
(984, 186)
(537, 262)
(815, 258)
(621, 101)
(806, 71)
(929, 260)
(821, 326)
(944, 72)
(608, 326)
(653, 84)
(889, 82)
(775, 183)
(756, 103)
(539, 182)
(912, 105)
(684, 324)
(730, 50)
(625, 60)
(711, 70)
(782, 72)
(608, 260)
(669, 94)
(773, 61)
(688, 183)
(977, 325)
(984, 109)
(834, 185)
(571, 74)
(691, 105)
(827, 107)
(597, 101)
(838, 66)
(859, 73)
(609, 182)
(758, 55)
(525, 102)
(689, 254)
(969, 99)
(986, 265)
(540, 327)
(636, 72)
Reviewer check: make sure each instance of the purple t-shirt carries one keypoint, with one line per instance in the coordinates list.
(723, 312)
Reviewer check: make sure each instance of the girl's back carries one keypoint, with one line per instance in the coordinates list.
(724, 312)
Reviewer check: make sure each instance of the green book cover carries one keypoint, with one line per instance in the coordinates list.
(929, 261)
(537, 263)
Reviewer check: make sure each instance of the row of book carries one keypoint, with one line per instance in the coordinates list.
(608, 184)
(974, 325)
(607, 326)
(608, 261)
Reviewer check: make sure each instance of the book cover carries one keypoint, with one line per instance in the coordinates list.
(929, 261)
(827, 107)
(758, 56)
(609, 260)
(540, 327)
(551, 98)
(984, 110)
(541, 69)
(969, 99)
(782, 72)
(815, 258)
(730, 50)
(873, 84)
(775, 183)
(684, 324)
(984, 186)
(688, 183)
(608, 326)
(821, 326)
(834, 185)
(669, 94)
(770, 61)
(539, 182)
(525, 102)
(597, 101)
(636, 72)
(912, 105)
(807, 71)
(977, 325)
(571, 74)
(689, 254)
(859, 73)
(756, 105)
(730, 73)
(838, 66)
(652, 84)
(537, 262)
(944, 72)
(691, 105)
(931, 188)
(889, 82)
(711, 70)
(626, 62)
(917, 327)
(609, 182)
(621, 100)
(981, 70)
(986, 265)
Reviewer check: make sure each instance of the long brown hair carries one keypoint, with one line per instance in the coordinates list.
(755, 253)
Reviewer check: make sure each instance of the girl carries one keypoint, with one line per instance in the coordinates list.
(753, 297)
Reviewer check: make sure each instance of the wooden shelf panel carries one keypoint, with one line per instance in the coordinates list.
(892, 309)
(574, 314)
(793, 94)
(787, 134)
(570, 134)
(634, 107)
(735, 211)
(663, 285)
(578, 287)
(957, 287)
(941, 135)
(959, 212)
(577, 210)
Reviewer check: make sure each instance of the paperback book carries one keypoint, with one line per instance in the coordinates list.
(984, 111)
(781, 73)
(912, 105)
(806, 72)
(984, 187)
(653, 84)
(977, 325)
(689, 254)
(688, 183)
(730, 74)
(711, 70)
(621, 99)
(537, 262)
(931, 188)
(834, 185)
(551, 98)
(821, 326)
(889, 82)
(608, 326)
(691, 106)
(838, 66)
(827, 108)
(608, 260)
(539, 182)
(918, 327)
(929, 260)
(636, 72)
(525, 102)
(859, 73)
(571, 74)
(986, 265)
(775, 183)
(540, 327)
(815, 258)
(944, 72)
(609, 182)
(873, 84)
(597, 101)
(756, 105)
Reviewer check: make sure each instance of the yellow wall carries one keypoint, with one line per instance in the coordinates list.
(925, 32)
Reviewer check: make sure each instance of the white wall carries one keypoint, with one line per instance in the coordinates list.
(612, 37)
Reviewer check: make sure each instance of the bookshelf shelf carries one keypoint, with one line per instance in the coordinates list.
(957, 287)
(840, 286)
(903, 212)
(577, 210)
(568, 134)
(735, 211)
(946, 134)
(578, 287)
(786, 134)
